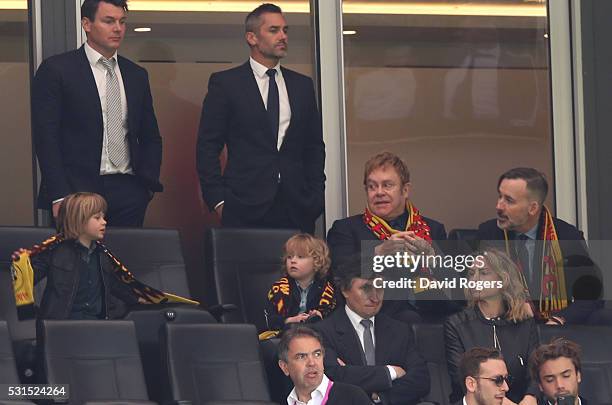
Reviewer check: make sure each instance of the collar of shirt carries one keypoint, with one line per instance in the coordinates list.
(531, 234)
(300, 289)
(356, 321)
(94, 56)
(316, 396)
(464, 401)
(260, 70)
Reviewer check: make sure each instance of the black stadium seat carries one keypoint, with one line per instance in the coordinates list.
(150, 324)
(214, 362)
(8, 370)
(429, 339)
(98, 359)
(154, 256)
(596, 357)
(244, 264)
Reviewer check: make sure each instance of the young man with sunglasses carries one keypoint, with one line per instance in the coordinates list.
(485, 376)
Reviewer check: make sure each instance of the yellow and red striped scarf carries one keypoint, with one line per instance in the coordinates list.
(553, 292)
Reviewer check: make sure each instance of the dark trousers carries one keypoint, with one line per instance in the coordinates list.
(127, 199)
(276, 217)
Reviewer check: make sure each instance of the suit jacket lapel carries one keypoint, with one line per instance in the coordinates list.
(249, 84)
(382, 340)
(129, 85)
(348, 339)
(89, 86)
(292, 94)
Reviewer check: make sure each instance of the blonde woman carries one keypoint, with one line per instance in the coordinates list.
(498, 317)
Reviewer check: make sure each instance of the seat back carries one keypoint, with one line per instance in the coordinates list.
(596, 357)
(244, 264)
(150, 324)
(8, 368)
(214, 362)
(429, 339)
(154, 256)
(98, 359)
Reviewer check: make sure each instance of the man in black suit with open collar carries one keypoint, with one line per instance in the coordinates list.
(369, 349)
(267, 117)
(94, 126)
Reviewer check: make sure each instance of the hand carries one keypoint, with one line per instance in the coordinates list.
(528, 309)
(298, 318)
(417, 245)
(55, 208)
(375, 397)
(16, 253)
(142, 300)
(399, 372)
(219, 211)
(529, 400)
(506, 401)
(314, 312)
(396, 243)
(340, 362)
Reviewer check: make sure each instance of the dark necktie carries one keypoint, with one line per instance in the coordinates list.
(273, 103)
(368, 342)
(523, 256)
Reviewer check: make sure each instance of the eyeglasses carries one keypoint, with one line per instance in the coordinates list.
(498, 380)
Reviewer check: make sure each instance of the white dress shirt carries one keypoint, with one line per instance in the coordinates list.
(316, 396)
(99, 72)
(359, 329)
(263, 82)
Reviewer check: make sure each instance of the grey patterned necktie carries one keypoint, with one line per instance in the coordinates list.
(368, 342)
(117, 151)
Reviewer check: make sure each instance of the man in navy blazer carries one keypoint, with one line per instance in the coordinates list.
(522, 227)
(94, 126)
(267, 117)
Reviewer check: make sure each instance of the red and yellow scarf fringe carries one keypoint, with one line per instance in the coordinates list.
(553, 292)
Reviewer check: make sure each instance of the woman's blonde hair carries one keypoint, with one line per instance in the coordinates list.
(75, 210)
(307, 245)
(513, 292)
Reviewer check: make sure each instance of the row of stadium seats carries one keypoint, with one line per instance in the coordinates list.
(240, 267)
(100, 362)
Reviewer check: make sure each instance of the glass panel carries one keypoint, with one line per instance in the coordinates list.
(180, 51)
(16, 205)
(459, 89)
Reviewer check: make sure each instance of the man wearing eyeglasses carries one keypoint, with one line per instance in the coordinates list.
(369, 349)
(557, 369)
(485, 376)
(390, 224)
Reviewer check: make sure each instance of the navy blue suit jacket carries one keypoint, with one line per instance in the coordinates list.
(67, 126)
(583, 278)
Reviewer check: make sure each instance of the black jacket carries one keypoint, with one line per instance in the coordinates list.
(394, 346)
(67, 126)
(583, 278)
(61, 265)
(276, 321)
(469, 328)
(347, 394)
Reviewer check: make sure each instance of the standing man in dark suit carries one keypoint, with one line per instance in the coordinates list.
(93, 121)
(267, 117)
(367, 348)
(563, 283)
(300, 353)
